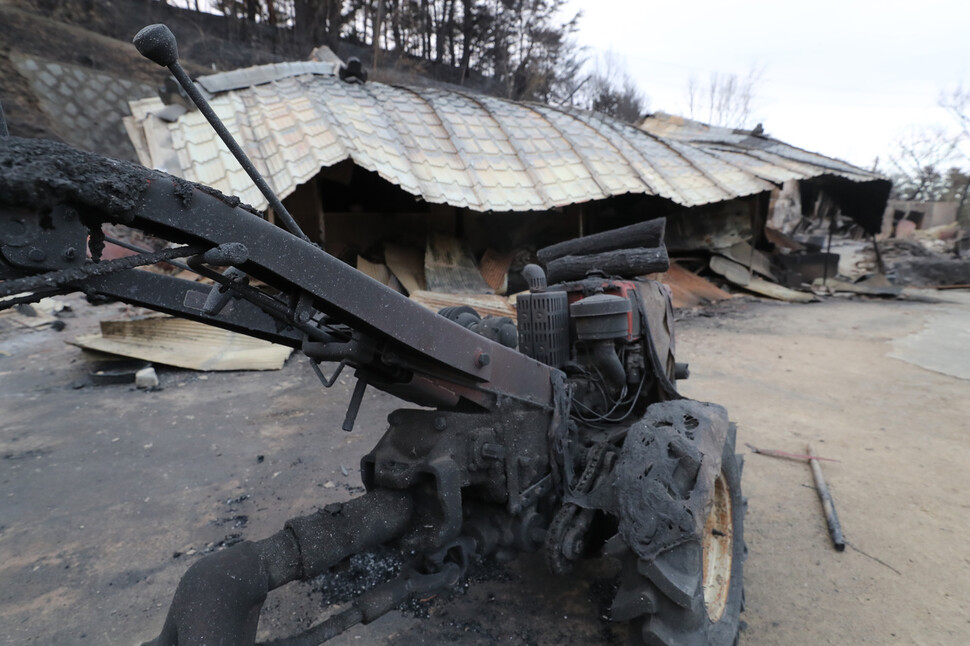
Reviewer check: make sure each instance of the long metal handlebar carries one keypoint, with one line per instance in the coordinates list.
(157, 43)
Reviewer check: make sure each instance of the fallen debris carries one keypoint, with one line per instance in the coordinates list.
(377, 271)
(449, 267)
(184, 344)
(146, 378)
(799, 269)
(687, 289)
(782, 241)
(380, 273)
(936, 270)
(119, 371)
(494, 267)
(864, 287)
(740, 276)
(749, 257)
(407, 263)
(828, 505)
(35, 316)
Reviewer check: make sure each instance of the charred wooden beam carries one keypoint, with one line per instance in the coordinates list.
(621, 262)
(646, 235)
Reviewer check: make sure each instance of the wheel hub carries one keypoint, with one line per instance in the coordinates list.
(718, 546)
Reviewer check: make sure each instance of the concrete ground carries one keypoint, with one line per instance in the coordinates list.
(107, 494)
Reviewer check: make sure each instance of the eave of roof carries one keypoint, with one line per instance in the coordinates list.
(471, 151)
(754, 153)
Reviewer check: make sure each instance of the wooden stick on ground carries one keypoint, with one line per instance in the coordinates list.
(835, 529)
(785, 454)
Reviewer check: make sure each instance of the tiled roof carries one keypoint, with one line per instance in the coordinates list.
(754, 155)
(478, 152)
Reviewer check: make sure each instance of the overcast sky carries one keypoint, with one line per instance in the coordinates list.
(840, 77)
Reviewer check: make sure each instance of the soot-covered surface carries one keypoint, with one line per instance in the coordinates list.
(108, 494)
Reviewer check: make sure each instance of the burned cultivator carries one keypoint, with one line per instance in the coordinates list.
(576, 443)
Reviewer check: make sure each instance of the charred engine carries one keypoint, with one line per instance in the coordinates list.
(595, 330)
(513, 451)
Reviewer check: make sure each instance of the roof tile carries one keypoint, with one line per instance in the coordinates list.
(478, 152)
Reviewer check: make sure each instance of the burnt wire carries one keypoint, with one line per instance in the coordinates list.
(132, 247)
(616, 403)
(38, 294)
(63, 277)
(606, 417)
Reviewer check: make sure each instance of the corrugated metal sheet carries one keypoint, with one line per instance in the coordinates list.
(259, 74)
(752, 154)
(471, 151)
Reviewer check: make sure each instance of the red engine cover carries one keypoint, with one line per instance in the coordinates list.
(625, 288)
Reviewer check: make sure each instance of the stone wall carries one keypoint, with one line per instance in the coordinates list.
(85, 105)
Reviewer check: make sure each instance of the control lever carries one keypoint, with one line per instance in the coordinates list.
(354, 407)
(157, 43)
(219, 295)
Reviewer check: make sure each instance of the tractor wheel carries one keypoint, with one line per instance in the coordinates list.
(690, 594)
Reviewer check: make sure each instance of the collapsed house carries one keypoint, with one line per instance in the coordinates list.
(807, 188)
(904, 217)
(813, 199)
(437, 190)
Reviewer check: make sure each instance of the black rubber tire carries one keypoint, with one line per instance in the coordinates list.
(663, 599)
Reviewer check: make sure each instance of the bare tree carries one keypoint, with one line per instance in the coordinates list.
(318, 22)
(530, 51)
(957, 103)
(609, 89)
(726, 99)
(522, 49)
(921, 157)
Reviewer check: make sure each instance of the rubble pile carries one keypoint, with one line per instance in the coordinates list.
(932, 258)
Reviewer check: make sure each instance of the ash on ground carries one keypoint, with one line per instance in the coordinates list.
(362, 572)
(919, 263)
(358, 574)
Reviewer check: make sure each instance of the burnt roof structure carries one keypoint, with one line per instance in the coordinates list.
(448, 147)
(862, 194)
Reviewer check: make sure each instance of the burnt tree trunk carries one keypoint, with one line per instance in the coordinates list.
(643, 234)
(378, 25)
(467, 32)
(451, 31)
(622, 262)
(399, 44)
(334, 22)
(425, 30)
